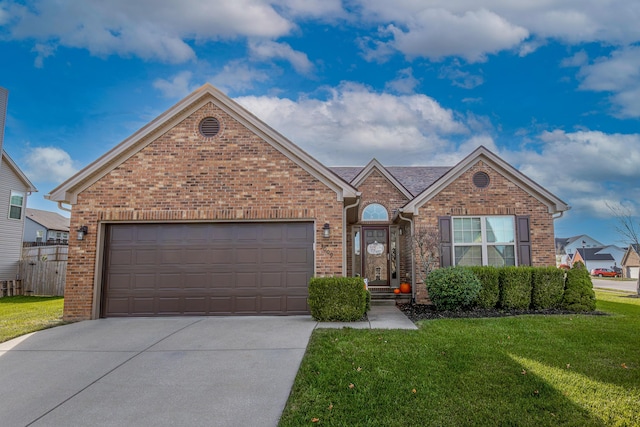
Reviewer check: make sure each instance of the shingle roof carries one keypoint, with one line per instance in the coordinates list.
(414, 178)
(49, 220)
(591, 254)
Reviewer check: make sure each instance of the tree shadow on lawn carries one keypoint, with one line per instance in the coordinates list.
(23, 299)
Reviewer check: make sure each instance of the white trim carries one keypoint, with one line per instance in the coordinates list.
(374, 164)
(553, 203)
(483, 244)
(67, 191)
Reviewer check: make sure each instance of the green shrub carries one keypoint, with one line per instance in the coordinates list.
(548, 287)
(578, 293)
(489, 279)
(515, 287)
(452, 288)
(338, 299)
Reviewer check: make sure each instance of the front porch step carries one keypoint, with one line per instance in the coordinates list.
(385, 296)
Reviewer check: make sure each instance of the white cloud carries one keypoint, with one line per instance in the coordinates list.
(150, 29)
(312, 8)
(437, 33)
(474, 28)
(238, 76)
(49, 164)
(405, 82)
(463, 79)
(578, 59)
(266, 50)
(354, 124)
(43, 51)
(619, 74)
(590, 166)
(178, 87)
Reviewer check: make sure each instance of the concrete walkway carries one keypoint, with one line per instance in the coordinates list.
(179, 371)
(380, 316)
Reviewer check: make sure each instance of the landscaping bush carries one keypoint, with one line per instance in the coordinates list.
(490, 291)
(548, 287)
(578, 293)
(338, 299)
(452, 288)
(515, 288)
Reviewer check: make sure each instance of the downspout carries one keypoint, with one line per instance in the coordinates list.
(413, 258)
(344, 234)
(62, 207)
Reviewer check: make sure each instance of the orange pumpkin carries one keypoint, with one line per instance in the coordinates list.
(405, 288)
(396, 291)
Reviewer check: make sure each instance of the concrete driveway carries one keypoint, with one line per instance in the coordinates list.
(213, 371)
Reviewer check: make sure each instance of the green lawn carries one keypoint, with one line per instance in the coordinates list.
(21, 315)
(573, 370)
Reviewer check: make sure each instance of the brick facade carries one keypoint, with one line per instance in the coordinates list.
(501, 197)
(183, 176)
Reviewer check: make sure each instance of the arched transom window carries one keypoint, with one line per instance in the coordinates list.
(375, 212)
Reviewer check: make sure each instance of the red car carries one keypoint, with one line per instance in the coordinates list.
(604, 272)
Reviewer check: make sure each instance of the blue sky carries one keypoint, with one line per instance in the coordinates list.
(553, 87)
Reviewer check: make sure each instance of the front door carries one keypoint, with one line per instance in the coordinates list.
(375, 260)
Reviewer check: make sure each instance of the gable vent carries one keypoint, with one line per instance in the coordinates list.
(209, 127)
(481, 179)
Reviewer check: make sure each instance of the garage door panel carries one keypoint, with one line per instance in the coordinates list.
(246, 280)
(207, 269)
(271, 280)
(121, 257)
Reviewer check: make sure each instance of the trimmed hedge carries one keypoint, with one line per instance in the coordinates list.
(548, 287)
(452, 288)
(489, 277)
(578, 293)
(515, 288)
(338, 299)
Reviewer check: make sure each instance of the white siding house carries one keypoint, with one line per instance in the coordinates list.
(14, 189)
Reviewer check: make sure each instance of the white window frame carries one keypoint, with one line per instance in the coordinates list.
(24, 197)
(483, 236)
(373, 206)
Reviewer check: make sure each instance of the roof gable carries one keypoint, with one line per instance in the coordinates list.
(554, 204)
(377, 166)
(68, 191)
(16, 170)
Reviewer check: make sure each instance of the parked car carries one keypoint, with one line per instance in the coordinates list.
(605, 272)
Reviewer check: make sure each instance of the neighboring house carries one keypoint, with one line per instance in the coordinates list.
(14, 189)
(43, 227)
(631, 262)
(593, 258)
(207, 210)
(568, 245)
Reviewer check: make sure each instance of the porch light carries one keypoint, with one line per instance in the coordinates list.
(326, 230)
(82, 231)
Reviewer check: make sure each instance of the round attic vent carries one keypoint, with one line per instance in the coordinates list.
(481, 179)
(209, 127)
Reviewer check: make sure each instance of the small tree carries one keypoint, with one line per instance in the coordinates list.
(426, 250)
(629, 229)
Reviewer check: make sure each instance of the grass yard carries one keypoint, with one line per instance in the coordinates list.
(568, 370)
(22, 315)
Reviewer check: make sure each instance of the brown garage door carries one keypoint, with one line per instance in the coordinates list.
(207, 269)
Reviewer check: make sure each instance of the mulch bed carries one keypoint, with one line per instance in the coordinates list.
(417, 312)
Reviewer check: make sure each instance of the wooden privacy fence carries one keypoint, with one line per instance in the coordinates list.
(45, 253)
(43, 277)
(9, 288)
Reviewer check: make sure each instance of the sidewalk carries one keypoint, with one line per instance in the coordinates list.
(380, 316)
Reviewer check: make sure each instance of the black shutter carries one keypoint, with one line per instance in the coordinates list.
(444, 228)
(524, 240)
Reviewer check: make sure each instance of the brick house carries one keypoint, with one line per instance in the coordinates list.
(208, 211)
